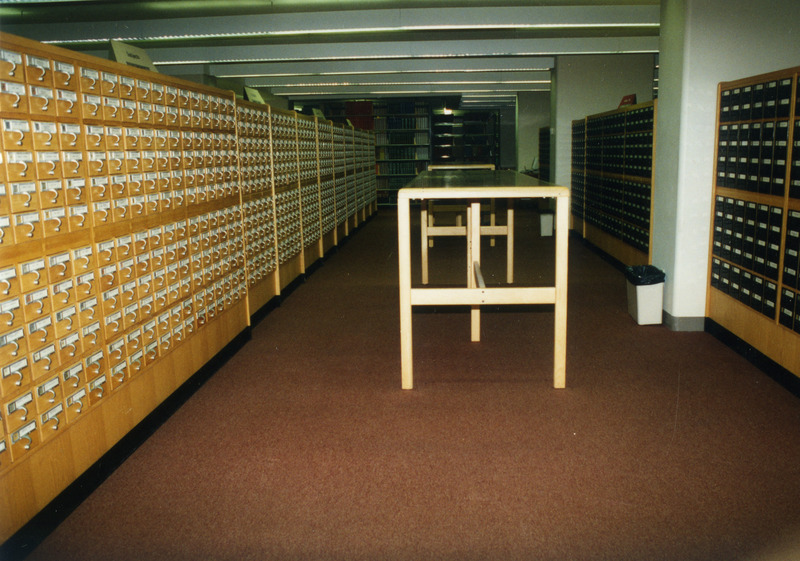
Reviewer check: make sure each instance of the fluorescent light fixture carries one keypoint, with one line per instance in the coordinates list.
(361, 94)
(373, 84)
(377, 72)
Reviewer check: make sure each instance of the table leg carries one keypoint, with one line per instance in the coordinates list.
(431, 219)
(404, 262)
(510, 243)
(492, 218)
(425, 215)
(562, 258)
(474, 256)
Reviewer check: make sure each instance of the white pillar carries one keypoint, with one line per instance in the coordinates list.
(703, 42)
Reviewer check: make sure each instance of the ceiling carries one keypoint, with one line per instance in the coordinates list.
(486, 51)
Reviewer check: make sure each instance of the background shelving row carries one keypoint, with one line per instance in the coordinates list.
(403, 144)
(612, 170)
(544, 153)
(143, 220)
(465, 137)
(755, 241)
(410, 134)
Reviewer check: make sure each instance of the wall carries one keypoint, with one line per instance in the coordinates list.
(703, 42)
(533, 113)
(588, 84)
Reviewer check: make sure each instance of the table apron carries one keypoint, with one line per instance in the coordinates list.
(476, 296)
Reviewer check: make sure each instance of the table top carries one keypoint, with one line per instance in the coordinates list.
(472, 183)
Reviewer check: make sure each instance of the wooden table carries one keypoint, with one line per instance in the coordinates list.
(473, 186)
(429, 229)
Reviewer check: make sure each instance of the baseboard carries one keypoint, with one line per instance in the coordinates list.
(684, 323)
(771, 368)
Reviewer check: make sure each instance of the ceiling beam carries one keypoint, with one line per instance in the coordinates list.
(399, 50)
(522, 79)
(401, 89)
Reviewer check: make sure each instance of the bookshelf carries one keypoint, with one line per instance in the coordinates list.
(465, 137)
(544, 154)
(753, 289)
(402, 145)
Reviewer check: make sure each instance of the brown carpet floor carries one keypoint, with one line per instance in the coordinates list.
(664, 446)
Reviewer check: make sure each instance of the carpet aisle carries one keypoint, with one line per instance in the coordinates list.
(663, 446)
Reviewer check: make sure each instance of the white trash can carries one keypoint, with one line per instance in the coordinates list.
(645, 294)
(546, 222)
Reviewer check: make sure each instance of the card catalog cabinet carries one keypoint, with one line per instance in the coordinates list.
(142, 218)
(327, 182)
(612, 178)
(350, 176)
(120, 244)
(578, 177)
(258, 202)
(310, 205)
(755, 241)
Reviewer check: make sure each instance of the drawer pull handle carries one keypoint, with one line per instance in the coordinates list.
(62, 266)
(16, 347)
(19, 377)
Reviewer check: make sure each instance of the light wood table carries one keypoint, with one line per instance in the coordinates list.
(474, 186)
(429, 229)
